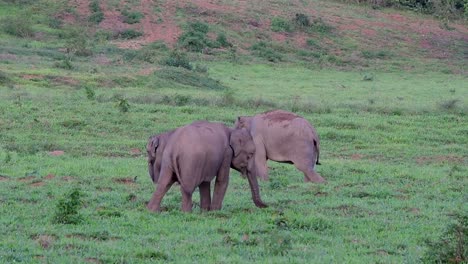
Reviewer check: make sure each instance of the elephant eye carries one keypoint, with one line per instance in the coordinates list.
(249, 156)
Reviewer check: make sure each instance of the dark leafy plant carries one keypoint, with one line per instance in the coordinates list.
(452, 244)
(132, 17)
(67, 208)
(130, 34)
(178, 58)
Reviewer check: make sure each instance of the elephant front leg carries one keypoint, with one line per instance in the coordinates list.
(205, 196)
(221, 184)
(164, 184)
(261, 162)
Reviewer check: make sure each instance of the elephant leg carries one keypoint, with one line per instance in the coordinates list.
(222, 181)
(164, 184)
(261, 162)
(186, 200)
(205, 196)
(310, 175)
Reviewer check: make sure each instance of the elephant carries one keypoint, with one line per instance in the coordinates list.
(283, 136)
(155, 148)
(197, 153)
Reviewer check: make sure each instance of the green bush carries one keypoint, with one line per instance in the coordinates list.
(221, 39)
(178, 59)
(77, 41)
(189, 78)
(132, 17)
(279, 24)
(129, 34)
(151, 53)
(195, 38)
(320, 26)
(451, 247)
(67, 208)
(266, 51)
(302, 20)
(96, 13)
(19, 26)
(64, 64)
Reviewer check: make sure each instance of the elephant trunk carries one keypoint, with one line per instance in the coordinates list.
(255, 190)
(151, 170)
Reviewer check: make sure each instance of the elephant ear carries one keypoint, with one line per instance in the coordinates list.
(153, 143)
(237, 141)
(240, 122)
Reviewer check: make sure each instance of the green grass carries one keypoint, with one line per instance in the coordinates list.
(393, 151)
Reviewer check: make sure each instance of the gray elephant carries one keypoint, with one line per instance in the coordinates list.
(197, 153)
(283, 136)
(155, 148)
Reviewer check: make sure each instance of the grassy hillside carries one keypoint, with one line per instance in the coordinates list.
(83, 84)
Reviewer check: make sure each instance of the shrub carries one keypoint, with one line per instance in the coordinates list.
(190, 78)
(178, 59)
(195, 37)
(123, 105)
(97, 15)
(319, 26)
(132, 17)
(77, 41)
(19, 26)
(64, 64)
(302, 21)
(221, 39)
(67, 208)
(150, 53)
(129, 34)
(452, 245)
(90, 93)
(266, 51)
(279, 24)
(4, 78)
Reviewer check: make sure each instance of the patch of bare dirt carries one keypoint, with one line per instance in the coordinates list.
(26, 179)
(126, 181)
(37, 184)
(92, 260)
(4, 178)
(7, 56)
(113, 19)
(67, 178)
(440, 159)
(32, 76)
(357, 156)
(49, 176)
(45, 241)
(64, 80)
(57, 153)
(135, 151)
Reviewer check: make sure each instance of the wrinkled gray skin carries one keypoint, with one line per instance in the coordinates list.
(283, 136)
(197, 153)
(155, 148)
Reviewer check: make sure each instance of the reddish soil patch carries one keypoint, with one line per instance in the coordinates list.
(92, 260)
(26, 179)
(67, 178)
(49, 176)
(135, 151)
(4, 178)
(32, 76)
(45, 241)
(57, 153)
(62, 80)
(357, 156)
(113, 19)
(128, 181)
(440, 159)
(8, 56)
(37, 184)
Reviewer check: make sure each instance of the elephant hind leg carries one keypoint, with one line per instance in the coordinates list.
(186, 201)
(205, 196)
(164, 184)
(310, 175)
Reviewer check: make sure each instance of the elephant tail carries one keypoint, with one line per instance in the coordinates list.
(317, 148)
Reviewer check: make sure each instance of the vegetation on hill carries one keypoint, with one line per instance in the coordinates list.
(84, 83)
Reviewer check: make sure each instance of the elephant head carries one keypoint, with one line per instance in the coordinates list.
(243, 122)
(151, 148)
(243, 161)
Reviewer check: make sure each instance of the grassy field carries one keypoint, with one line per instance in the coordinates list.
(73, 131)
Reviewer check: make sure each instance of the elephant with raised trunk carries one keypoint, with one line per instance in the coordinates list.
(283, 136)
(197, 153)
